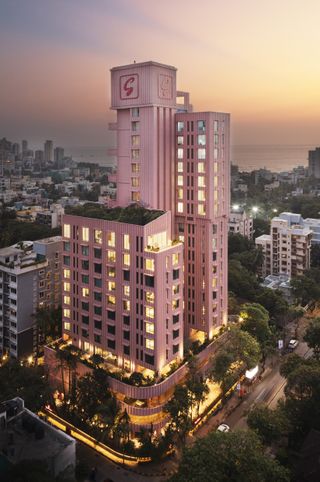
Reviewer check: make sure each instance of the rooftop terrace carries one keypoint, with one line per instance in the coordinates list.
(133, 214)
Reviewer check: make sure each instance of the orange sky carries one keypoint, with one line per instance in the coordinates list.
(257, 60)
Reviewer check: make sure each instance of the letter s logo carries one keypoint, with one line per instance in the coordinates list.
(127, 87)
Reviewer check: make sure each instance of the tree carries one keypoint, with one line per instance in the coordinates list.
(241, 282)
(273, 301)
(92, 393)
(312, 337)
(235, 456)
(315, 255)
(289, 363)
(305, 289)
(238, 244)
(178, 408)
(48, 325)
(270, 425)
(198, 390)
(261, 226)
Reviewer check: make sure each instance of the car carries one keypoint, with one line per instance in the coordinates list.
(223, 427)
(293, 344)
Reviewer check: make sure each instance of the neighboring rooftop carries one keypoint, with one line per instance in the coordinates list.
(133, 214)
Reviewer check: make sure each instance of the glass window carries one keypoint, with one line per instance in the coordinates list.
(149, 297)
(175, 259)
(67, 326)
(180, 166)
(126, 241)
(66, 230)
(180, 140)
(66, 245)
(215, 153)
(180, 126)
(111, 286)
(135, 167)
(201, 209)
(111, 271)
(201, 167)
(126, 305)
(135, 112)
(201, 181)
(201, 126)
(85, 234)
(216, 139)
(85, 250)
(85, 292)
(150, 264)
(149, 344)
(180, 207)
(66, 260)
(98, 236)
(215, 126)
(180, 153)
(135, 182)
(66, 273)
(111, 299)
(135, 154)
(126, 290)
(66, 313)
(85, 279)
(150, 311)
(201, 153)
(111, 256)
(126, 259)
(149, 327)
(66, 286)
(201, 196)
(180, 180)
(111, 239)
(201, 139)
(135, 126)
(135, 196)
(135, 141)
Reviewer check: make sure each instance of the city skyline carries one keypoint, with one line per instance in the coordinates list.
(55, 82)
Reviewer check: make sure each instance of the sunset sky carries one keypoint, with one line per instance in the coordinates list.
(258, 60)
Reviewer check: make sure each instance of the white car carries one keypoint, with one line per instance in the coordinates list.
(293, 344)
(223, 427)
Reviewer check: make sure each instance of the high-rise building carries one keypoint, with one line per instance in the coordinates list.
(141, 280)
(59, 157)
(314, 163)
(29, 278)
(24, 146)
(48, 151)
(39, 156)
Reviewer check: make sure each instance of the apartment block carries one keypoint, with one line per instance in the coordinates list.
(29, 278)
(240, 223)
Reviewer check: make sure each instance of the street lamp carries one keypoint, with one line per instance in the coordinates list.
(235, 207)
(255, 209)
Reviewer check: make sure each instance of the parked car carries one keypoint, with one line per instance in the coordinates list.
(293, 344)
(223, 427)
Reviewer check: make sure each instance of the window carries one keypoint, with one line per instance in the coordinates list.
(66, 231)
(215, 126)
(97, 253)
(175, 304)
(126, 259)
(180, 193)
(126, 275)
(135, 141)
(135, 167)
(201, 126)
(126, 290)
(111, 256)
(85, 306)
(149, 344)
(126, 305)
(66, 313)
(201, 182)
(180, 140)
(126, 350)
(201, 196)
(175, 318)
(180, 207)
(216, 139)
(135, 154)
(175, 349)
(66, 246)
(85, 279)
(126, 335)
(85, 250)
(85, 319)
(66, 273)
(98, 282)
(126, 241)
(111, 286)
(111, 271)
(180, 180)
(97, 338)
(97, 296)
(201, 209)
(67, 326)
(175, 259)
(150, 311)
(126, 320)
(175, 274)
(150, 328)
(180, 153)
(85, 264)
(180, 126)
(98, 324)
(175, 334)
(135, 196)
(98, 268)
(66, 260)
(98, 236)
(180, 167)
(201, 153)
(215, 153)
(201, 139)
(175, 289)
(111, 344)
(150, 264)
(111, 300)
(149, 281)
(135, 182)
(201, 167)
(149, 297)
(98, 310)
(85, 234)
(85, 292)
(135, 126)
(66, 286)
(111, 315)
(111, 329)
(135, 112)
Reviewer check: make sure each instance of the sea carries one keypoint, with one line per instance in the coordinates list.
(277, 158)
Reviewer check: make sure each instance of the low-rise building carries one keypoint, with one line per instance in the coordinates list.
(240, 223)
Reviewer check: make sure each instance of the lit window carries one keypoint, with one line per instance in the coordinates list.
(66, 273)
(149, 311)
(85, 234)
(135, 112)
(215, 126)
(85, 292)
(180, 166)
(201, 196)
(201, 139)
(201, 209)
(126, 305)
(135, 140)
(66, 230)
(111, 239)
(135, 182)
(134, 126)
(201, 167)
(66, 313)
(201, 126)
(175, 304)
(175, 259)
(201, 182)
(111, 300)
(135, 167)
(135, 154)
(135, 196)
(149, 297)
(216, 139)
(201, 153)
(66, 286)
(180, 207)
(111, 271)
(150, 264)
(180, 126)
(180, 193)
(180, 180)
(111, 256)
(175, 289)
(149, 344)
(126, 259)
(215, 153)
(67, 326)
(180, 153)
(180, 140)
(149, 327)
(126, 241)
(126, 290)
(98, 236)
(111, 286)
(66, 300)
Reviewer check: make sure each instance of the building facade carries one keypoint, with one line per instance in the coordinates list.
(240, 223)
(314, 163)
(29, 279)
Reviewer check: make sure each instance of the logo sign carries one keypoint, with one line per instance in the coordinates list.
(165, 87)
(280, 344)
(129, 86)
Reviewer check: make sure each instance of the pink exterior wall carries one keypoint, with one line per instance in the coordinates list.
(98, 323)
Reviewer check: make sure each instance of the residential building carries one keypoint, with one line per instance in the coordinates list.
(314, 163)
(26, 437)
(240, 223)
(50, 217)
(29, 278)
(287, 248)
(59, 157)
(48, 151)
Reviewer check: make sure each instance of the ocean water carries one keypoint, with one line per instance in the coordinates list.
(274, 157)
